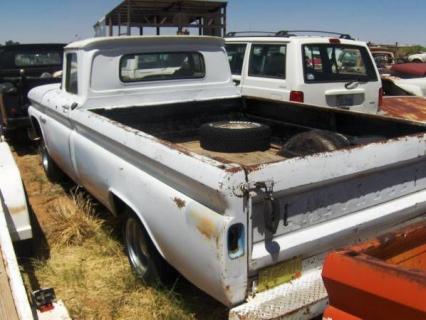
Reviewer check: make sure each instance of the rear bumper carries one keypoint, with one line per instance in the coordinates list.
(303, 298)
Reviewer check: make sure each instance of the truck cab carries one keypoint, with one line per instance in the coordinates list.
(335, 72)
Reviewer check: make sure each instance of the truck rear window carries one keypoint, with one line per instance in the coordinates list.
(38, 59)
(162, 66)
(335, 63)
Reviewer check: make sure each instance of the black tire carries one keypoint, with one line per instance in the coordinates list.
(52, 171)
(235, 136)
(314, 141)
(146, 262)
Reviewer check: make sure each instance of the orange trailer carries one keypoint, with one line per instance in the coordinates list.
(381, 279)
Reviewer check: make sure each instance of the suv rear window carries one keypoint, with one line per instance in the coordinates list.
(335, 63)
(236, 54)
(162, 66)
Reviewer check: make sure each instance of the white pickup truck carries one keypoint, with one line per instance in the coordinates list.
(331, 71)
(243, 197)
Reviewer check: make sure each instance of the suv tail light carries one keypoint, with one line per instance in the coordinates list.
(297, 96)
(334, 41)
(381, 97)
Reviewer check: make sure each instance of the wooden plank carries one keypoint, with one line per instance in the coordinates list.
(244, 159)
(7, 305)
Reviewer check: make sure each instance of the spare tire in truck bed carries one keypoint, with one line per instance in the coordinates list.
(235, 136)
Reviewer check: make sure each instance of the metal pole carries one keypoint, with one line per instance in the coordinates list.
(141, 31)
(156, 23)
(128, 18)
(111, 33)
(119, 24)
(224, 21)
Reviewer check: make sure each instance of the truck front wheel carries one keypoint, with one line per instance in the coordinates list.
(144, 258)
(53, 173)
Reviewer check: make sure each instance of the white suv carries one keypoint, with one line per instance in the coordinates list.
(334, 72)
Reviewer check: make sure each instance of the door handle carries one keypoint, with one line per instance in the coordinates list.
(65, 107)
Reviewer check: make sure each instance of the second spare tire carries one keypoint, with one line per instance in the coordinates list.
(235, 136)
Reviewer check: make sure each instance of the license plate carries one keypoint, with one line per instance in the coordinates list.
(279, 274)
(344, 100)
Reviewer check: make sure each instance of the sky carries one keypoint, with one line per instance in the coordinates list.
(379, 21)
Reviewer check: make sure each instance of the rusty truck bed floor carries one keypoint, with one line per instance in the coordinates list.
(244, 159)
(411, 108)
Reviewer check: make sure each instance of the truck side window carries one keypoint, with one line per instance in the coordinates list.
(71, 79)
(268, 61)
(236, 54)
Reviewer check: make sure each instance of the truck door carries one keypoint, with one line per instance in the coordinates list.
(265, 73)
(56, 123)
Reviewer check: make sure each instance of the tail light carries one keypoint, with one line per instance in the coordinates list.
(334, 41)
(297, 96)
(381, 97)
(236, 241)
(13, 111)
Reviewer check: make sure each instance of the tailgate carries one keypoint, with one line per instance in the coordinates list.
(326, 200)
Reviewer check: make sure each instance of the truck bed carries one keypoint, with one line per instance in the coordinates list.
(178, 124)
(396, 260)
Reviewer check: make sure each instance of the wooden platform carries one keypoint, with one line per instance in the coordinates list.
(7, 305)
(244, 159)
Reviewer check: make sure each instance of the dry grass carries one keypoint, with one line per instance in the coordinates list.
(73, 220)
(87, 265)
(90, 272)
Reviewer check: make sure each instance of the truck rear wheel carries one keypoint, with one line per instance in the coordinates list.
(53, 173)
(144, 258)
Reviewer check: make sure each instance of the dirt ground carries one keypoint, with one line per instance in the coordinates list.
(85, 262)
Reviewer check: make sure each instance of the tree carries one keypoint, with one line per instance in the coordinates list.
(11, 42)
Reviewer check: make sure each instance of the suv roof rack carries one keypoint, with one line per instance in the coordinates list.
(290, 33)
(285, 33)
(251, 33)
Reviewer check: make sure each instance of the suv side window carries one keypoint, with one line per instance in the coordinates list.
(71, 79)
(236, 54)
(268, 61)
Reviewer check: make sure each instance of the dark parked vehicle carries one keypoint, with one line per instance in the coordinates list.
(23, 67)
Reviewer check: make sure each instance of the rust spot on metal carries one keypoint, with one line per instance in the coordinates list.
(16, 210)
(179, 202)
(206, 227)
(410, 108)
(234, 170)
